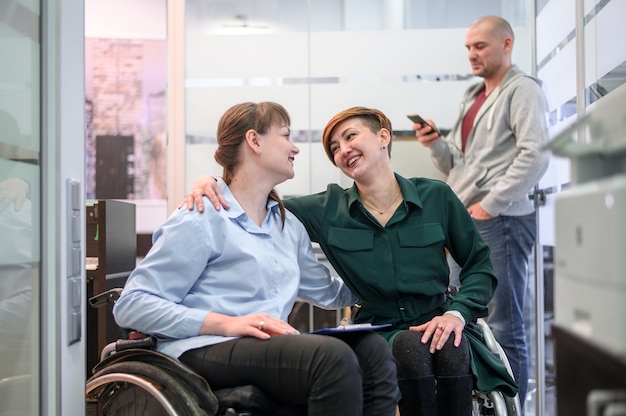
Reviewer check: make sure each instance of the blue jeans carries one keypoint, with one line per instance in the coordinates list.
(511, 240)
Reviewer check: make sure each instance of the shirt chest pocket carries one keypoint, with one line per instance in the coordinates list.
(354, 250)
(348, 239)
(422, 253)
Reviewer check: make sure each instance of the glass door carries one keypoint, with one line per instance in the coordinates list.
(19, 207)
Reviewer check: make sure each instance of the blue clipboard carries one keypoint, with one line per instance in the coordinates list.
(349, 328)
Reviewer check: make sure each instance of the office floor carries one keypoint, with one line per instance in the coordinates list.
(550, 401)
(549, 393)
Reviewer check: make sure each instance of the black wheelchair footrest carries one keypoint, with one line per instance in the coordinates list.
(250, 400)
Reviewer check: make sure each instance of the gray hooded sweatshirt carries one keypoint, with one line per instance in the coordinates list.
(503, 159)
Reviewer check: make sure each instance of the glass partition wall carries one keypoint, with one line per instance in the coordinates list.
(320, 57)
(20, 233)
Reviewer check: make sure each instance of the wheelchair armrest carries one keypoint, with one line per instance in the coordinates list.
(147, 343)
(104, 298)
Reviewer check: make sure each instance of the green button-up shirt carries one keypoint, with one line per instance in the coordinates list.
(400, 271)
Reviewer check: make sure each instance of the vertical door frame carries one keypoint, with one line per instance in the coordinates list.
(62, 157)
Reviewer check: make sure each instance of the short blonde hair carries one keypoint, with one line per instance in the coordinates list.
(373, 118)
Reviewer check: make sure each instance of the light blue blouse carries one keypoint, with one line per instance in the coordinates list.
(221, 261)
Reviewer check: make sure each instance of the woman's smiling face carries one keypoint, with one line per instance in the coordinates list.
(355, 147)
(279, 151)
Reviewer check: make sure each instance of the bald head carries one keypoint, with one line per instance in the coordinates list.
(496, 25)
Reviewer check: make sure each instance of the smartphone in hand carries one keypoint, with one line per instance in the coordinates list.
(416, 118)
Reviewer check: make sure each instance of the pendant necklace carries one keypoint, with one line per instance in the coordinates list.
(380, 212)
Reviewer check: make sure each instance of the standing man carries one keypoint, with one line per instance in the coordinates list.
(493, 158)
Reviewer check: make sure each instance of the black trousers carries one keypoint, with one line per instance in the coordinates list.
(348, 374)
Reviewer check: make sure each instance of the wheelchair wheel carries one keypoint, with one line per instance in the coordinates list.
(513, 406)
(495, 403)
(137, 388)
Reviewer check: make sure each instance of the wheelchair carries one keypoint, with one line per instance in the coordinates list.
(495, 403)
(134, 379)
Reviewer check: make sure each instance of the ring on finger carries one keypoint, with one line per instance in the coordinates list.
(261, 323)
